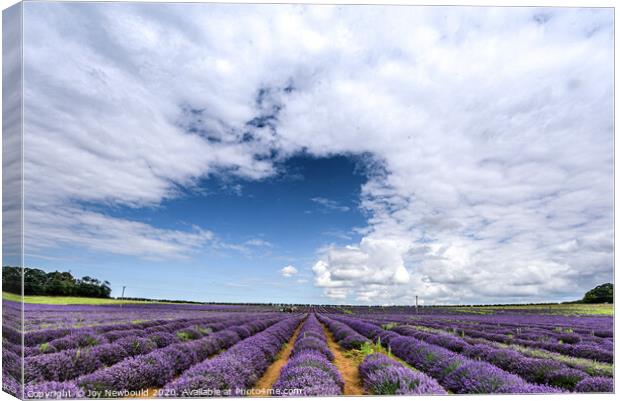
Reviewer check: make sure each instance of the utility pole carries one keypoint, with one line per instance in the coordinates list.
(123, 295)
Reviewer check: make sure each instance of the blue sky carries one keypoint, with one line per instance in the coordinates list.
(321, 154)
(264, 226)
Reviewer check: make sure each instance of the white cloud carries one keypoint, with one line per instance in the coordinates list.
(330, 204)
(288, 271)
(257, 242)
(489, 183)
(97, 232)
(373, 262)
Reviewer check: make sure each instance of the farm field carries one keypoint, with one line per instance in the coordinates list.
(264, 199)
(182, 350)
(546, 309)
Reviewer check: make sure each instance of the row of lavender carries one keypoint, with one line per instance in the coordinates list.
(599, 335)
(54, 340)
(594, 344)
(536, 370)
(310, 370)
(136, 362)
(596, 330)
(11, 363)
(63, 348)
(478, 368)
(382, 375)
(234, 371)
(117, 341)
(51, 341)
(45, 316)
(599, 326)
(454, 372)
(68, 364)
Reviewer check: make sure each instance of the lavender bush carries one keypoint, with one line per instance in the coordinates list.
(384, 376)
(309, 371)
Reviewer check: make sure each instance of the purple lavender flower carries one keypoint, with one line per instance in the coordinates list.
(382, 376)
(313, 343)
(78, 339)
(61, 366)
(436, 361)
(313, 359)
(309, 371)
(11, 363)
(535, 370)
(11, 385)
(594, 352)
(595, 385)
(307, 381)
(237, 368)
(566, 378)
(482, 378)
(135, 345)
(163, 339)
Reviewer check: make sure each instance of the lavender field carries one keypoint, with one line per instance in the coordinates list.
(178, 350)
(205, 199)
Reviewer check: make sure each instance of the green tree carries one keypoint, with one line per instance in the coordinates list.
(12, 279)
(603, 293)
(34, 281)
(106, 289)
(60, 283)
(38, 282)
(92, 287)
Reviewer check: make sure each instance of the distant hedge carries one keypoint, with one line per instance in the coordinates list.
(38, 282)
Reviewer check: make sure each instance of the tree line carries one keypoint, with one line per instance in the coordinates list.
(38, 282)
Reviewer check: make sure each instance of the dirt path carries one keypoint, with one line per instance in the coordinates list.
(272, 373)
(348, 367)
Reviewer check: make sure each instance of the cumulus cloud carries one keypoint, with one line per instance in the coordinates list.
(288, 271)
(490, 131)
(374, 262)
(484, 168)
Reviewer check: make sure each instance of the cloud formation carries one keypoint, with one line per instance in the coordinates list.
(257, 242)
(288, 271)
(490, 131)
(330, 204)
(94, 231)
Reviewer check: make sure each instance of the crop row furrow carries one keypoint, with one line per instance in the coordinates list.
(234, 371)
(186, 329)
(586, 350)
(310, 370)
(534, 370)
(453, 371)
(152, 369)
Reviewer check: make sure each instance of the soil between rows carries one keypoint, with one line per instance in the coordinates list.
(272, 373)
(152, 392)
(348, 367)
